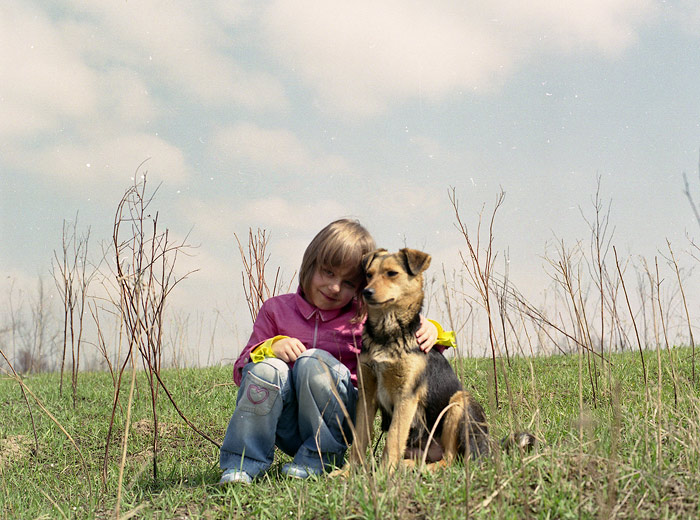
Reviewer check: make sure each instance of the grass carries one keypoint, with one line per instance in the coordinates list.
(627, 455)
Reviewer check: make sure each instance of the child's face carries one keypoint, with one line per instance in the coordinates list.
(332, 288)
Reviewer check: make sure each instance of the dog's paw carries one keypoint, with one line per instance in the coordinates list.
(340, 473)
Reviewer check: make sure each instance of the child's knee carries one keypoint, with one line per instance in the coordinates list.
(271, 370)
(317, 354)
(319, 369)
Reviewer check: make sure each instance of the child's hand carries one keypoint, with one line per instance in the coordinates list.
(289, 349)
(426, 335)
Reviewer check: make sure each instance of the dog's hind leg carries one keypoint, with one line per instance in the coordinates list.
(452, 427)
(464, 430)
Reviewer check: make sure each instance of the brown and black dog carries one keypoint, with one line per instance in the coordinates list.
(411, 388)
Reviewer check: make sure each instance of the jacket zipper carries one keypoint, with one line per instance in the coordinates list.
(316, 330)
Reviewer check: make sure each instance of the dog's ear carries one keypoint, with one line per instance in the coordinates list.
(369, 257)
(415, 261)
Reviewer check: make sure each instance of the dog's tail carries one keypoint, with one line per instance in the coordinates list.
(521, 441)
(465, 431)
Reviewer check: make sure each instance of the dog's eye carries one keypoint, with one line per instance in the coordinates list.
(391, 274)
(368, 276)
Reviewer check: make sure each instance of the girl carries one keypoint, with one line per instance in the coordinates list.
(300, 360)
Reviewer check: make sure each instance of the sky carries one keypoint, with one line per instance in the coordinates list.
(285, 115)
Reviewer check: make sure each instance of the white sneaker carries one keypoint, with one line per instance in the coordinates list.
(301, 472)
(232, 476)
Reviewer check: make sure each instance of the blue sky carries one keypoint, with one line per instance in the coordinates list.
(286, 115)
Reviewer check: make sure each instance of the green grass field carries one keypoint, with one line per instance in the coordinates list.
(632, 452)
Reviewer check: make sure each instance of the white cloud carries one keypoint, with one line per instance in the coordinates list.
(686, 13)
(126, 98)
(606, 26)
(201, 264)
(274, 149)
(221, 219)
(402, 201)
(43, 78)
(362, 56)
(106, 162)
(91, 83)
(280, 213)
(186, 47)
(289, 228)
(266, 147)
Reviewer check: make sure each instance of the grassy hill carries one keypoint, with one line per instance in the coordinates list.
(613, 447)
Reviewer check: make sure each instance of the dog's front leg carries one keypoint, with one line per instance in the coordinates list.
(364, 420)
(366, 410)
(402, 418)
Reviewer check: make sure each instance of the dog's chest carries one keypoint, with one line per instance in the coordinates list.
(386, 371)
(396, 375)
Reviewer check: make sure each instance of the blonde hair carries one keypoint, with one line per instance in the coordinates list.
(341, 244)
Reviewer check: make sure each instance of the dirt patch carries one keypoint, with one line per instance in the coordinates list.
(145, 427)
(13, 449)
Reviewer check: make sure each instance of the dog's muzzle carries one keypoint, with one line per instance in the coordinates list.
(368, 295)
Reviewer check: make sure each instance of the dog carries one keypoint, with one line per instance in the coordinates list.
(415, 391)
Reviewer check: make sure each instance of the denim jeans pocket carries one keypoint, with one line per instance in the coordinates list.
(257, 396)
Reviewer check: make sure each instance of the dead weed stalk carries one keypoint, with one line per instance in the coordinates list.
(253, 276)
(145, 259)
(479, 267)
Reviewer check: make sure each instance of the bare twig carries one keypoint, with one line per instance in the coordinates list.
(689, 196)
(60, 427)
(663, 328)
(144, 267)
(253, 276)
(634, 322)
(70, 272)
(685, 307)
(480, 269)
(16, 376)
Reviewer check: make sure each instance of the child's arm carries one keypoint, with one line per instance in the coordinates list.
(288, 349)
(431, 333)
(283, 347)
(426, 334)
(264, 328)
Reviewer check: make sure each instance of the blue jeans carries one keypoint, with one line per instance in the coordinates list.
(294, 409)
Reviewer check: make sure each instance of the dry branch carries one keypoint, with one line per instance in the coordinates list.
(254, 274)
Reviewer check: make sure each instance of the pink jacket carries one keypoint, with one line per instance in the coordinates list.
(291, 315)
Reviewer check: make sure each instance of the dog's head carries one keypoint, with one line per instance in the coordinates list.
(394, 279)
